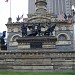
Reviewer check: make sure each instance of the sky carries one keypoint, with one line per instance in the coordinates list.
(18, 7)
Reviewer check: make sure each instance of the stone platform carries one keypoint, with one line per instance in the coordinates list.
(37, 61)
(37, 54)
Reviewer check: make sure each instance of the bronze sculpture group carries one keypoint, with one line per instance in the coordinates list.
(36, 30)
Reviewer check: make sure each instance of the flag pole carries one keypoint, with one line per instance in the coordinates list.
(10, 8)
(9, 19)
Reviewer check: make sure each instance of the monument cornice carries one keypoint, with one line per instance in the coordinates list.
(37, 39)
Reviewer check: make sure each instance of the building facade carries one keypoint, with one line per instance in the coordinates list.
(54, 6)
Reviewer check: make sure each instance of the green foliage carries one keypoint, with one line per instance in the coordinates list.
(36, 73)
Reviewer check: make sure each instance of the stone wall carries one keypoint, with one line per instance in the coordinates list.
(37, 60)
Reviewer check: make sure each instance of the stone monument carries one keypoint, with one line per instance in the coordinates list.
(40, 43)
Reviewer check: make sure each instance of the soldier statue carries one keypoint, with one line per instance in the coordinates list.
(2, 38)
(24, 30)
(39, 29)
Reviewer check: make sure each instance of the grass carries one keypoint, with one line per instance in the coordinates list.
(36, 73)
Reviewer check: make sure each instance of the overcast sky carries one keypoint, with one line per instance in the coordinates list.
(18, 7)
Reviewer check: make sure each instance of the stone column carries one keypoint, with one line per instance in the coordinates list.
(41, 6)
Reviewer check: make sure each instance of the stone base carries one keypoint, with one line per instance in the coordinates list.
(37, 42)
(37, 61)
